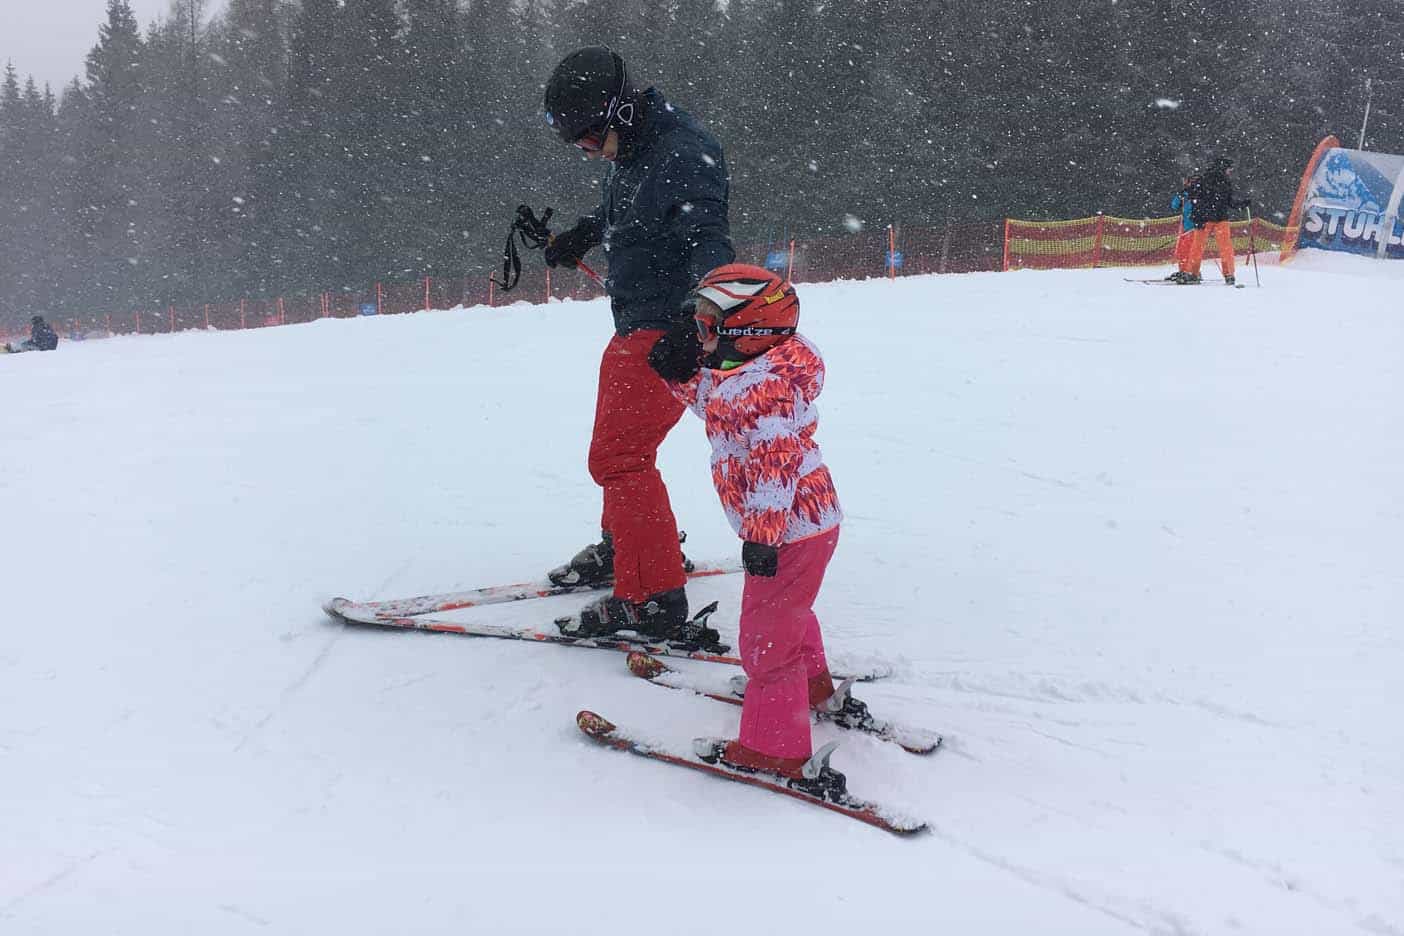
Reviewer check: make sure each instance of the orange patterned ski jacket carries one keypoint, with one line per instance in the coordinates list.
(760, 419)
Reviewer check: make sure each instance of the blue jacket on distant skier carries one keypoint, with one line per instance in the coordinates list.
(1185, 206)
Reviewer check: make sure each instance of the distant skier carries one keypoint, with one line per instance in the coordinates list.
(1181, 202)
(755, 392)
(1212, 197)
(41, 337)
(663, 222)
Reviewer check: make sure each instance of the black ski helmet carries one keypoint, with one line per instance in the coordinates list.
(588, 92)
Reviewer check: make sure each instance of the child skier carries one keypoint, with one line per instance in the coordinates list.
(1185, 206)
(755, 391)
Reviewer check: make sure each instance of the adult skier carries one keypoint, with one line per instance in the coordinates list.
(1212, 197)
(663, 222)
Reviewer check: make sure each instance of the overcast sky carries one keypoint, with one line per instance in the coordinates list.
(50, 38)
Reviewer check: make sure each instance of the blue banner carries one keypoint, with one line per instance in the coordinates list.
(1352, 204)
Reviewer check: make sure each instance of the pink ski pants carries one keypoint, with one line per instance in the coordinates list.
(782, 650)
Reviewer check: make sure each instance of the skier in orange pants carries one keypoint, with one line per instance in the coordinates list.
(1212, 196)
(1223, 237)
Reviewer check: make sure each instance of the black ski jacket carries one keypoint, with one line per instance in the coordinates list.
(43, 336)
(1212, 197)
(663, 217)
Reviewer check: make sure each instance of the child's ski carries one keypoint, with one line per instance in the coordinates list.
(844, 714)
(605, 732)
(492, 594)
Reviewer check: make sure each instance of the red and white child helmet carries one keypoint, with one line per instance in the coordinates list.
(759, 309)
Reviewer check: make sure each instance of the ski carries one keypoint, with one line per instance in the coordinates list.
(607, 733)
(349, 613)
(1165, 282)
(492, 594)
(733, 690)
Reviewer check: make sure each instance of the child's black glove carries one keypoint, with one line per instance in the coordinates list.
(760, 559)
(677, 354)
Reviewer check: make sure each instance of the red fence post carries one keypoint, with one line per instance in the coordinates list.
(1006, 245)
(790, 270)
(426, 294)
(1097, 243)
(891, 252)
(491, 284)
(207, 316)
(136, 317)
(242, 322)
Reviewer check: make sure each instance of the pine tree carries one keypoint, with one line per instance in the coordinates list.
(112, 193)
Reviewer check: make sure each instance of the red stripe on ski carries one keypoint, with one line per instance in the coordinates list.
(349, 613)
(492, 594)
(605, 732)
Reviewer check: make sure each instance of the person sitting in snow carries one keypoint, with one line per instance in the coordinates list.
(41, 337)
(755, 392)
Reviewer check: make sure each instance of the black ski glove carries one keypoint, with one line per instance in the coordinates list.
(569, 247)
(760, 559)
(677, 354)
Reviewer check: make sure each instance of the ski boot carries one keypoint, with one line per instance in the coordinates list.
(1187, 279)
(1230, 281)
(662, 619)
(844, 710)
(813, 777)
(593, 566)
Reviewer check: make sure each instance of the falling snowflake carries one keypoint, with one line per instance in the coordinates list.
(853, 223)
(1166, 104)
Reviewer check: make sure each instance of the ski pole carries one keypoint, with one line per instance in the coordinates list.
(580, 265)
(1252, 251)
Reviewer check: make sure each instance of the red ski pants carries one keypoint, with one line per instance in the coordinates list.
(782, 650)
(633, 413)
(1223, 236)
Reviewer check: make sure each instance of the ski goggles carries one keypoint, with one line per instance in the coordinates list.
(706, 327)
(592, 141)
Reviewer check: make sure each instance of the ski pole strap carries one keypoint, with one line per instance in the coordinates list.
(533, 234)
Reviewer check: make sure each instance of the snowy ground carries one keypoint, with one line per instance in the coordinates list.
(1135, 550)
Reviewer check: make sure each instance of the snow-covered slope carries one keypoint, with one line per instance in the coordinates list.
(1134, 550)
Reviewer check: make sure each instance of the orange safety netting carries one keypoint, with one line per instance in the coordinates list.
(899, 251)
(1103, 241)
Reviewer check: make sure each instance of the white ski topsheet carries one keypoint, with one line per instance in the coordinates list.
(1134, 552)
